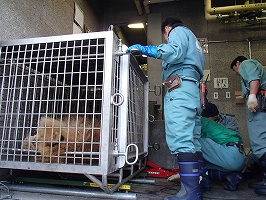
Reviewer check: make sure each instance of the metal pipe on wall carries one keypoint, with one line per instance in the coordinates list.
(216, 17)
(227, 41)
(249, 47)
(249, 40)
(234, 12)
(228, 9)
(210, 17)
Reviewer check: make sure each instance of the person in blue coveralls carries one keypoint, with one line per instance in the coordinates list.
(253, 86)
(222, 148)
(182, 68)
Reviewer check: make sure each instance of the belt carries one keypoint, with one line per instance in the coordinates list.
(189, 72)
(232, 144)
(239, 145)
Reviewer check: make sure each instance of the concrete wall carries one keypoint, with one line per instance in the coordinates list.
(38, 18)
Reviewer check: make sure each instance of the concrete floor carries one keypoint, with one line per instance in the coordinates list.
(159, 189)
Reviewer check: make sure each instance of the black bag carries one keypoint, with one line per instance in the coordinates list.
(262, 100)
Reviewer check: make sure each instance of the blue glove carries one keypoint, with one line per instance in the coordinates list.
(150, 51)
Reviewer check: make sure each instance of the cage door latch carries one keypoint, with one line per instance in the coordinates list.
(117, 99)
(117, 153)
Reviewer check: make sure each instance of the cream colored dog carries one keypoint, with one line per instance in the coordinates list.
(64, 140)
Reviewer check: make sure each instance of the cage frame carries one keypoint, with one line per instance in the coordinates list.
(116, 160)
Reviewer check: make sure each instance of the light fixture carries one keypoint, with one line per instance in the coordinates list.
(136, 25)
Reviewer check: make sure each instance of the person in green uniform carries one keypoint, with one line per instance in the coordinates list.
(222, 147)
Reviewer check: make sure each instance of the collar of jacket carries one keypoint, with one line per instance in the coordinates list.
(174, 26)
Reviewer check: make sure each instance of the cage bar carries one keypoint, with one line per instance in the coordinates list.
(72, 104)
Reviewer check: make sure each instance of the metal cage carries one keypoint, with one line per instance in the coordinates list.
(73, 104)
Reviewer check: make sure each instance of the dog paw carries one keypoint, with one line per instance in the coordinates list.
(28, 143)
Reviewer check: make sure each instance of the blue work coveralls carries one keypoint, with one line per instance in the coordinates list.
(220, 156)
(252, 70)
(182, 55)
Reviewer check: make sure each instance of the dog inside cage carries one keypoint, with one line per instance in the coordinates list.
(60, 140)
(70, 104)
(51, 99)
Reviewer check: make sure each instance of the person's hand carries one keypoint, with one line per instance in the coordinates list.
(150, 51)
(252, 103)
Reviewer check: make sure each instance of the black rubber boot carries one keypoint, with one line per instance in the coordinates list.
(233, 178)
(216, 174)
(189, 178)
(205, 182)
(260, 187)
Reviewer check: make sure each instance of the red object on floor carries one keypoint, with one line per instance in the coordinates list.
(157, 171)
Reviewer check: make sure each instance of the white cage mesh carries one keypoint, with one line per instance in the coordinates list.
(62, 108)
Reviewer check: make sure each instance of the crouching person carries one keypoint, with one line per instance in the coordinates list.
(223, 153)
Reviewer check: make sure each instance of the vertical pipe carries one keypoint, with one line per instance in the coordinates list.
(249, 48)
(139, 8)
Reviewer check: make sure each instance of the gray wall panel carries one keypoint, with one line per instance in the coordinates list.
(38, 18)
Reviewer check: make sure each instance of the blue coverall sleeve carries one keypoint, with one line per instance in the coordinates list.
(175, 50)
(249, 71)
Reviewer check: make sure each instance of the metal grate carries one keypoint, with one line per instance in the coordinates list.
(47, 84)
(71, 104)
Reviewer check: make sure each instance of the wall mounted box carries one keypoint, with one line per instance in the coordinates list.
(238, 98)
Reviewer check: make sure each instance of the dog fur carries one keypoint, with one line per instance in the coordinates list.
(56, 137)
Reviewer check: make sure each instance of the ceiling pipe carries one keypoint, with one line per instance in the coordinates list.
(228, 9)
(139, 8)
(147, 2)
(210, 17)
(224, 17)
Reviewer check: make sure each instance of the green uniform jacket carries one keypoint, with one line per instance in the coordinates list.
(218, 133)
